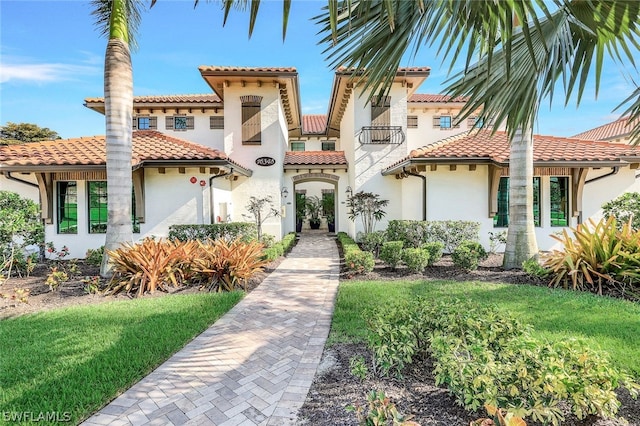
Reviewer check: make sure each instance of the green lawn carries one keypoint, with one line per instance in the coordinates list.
(75, 360)
(609, 324)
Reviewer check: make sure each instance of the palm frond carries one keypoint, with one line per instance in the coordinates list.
(102, 13)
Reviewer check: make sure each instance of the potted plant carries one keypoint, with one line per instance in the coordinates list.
(314, 209)
(301, 208)
(328, 207)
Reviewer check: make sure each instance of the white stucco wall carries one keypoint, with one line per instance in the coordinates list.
(24, 190)
(201, 133)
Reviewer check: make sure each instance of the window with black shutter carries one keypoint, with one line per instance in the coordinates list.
(251, 124)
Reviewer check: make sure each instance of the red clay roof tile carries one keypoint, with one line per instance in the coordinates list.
(315, 158)
(619, 128)
(216, 68)
(314, 123)
(426, 98)
(169, 99)
(148, 145)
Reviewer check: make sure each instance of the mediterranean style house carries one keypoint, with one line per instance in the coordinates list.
(197, 159)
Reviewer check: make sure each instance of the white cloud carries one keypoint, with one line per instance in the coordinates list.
(43, 73)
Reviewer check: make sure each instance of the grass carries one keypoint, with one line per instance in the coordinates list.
(77, 359)
(609, 324)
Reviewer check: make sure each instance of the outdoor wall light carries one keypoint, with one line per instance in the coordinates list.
(284, 192)
(349, 191)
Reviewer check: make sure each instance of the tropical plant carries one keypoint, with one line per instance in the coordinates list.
(313, 208)
(256, 208)
(368, 207)
(380, 410)
(625, 208)
(523, 50)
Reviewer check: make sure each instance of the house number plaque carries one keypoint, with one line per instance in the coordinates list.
(265, 161)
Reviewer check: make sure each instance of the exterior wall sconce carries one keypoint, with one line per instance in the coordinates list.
(349, 191)
(284, 192)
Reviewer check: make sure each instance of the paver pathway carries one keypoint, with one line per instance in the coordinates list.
(255, 365)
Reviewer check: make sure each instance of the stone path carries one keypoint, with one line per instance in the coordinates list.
(255, 365)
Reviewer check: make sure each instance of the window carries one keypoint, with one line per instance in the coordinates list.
(475, 122)
(145, 122)
(412, 121)
(251, 124)
(501, 220)
(328, 146)
(216, 122)
(559, 197)
(445, 122)
(297, 146)
(381, 117)
(98, 208)
(179, 123)
(67, 207)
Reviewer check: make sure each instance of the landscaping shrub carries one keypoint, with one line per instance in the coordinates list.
(228, 231)
(624, 208)
(413, 233)
(468, 255)
(599, 256)
(416, 259)
(280, 248)
(533, 268)
(356, 260)
(372, 242)
(484, 356)
(391, 253)
(224, 266)
(435, 251)
(94, 256)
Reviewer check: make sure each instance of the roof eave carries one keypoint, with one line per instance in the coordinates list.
(316, 166)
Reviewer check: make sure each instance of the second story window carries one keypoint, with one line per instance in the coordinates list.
(179, 123)
(412, 121)
(145, 122)
(251, 123)
(297, 146)
(328, 146)
(381, 118)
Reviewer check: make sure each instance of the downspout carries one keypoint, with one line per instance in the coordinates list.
(424, 191)
(211, 189)
(8, 175)
(614, 170)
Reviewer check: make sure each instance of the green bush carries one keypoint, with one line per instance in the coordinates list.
(227, 231)
(415, 233)
(94, 256)
(356, 260)
(391, 253)
(280, 248)
(484, 356)
(468, 255)
(435, 251)
(533, 268)
(372, 242)
(624, 208)
(359, 262)
(416, 259)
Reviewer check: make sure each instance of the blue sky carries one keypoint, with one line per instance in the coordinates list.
(51, 59)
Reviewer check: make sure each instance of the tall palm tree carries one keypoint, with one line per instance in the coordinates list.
(119, 21)
(518, 66)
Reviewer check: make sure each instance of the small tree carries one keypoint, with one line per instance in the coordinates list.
(256, 207)
(623, 208)
(16, 133)
(20, 226)
(368, 207)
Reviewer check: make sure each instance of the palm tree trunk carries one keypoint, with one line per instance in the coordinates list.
(521, 238)
(118, 94)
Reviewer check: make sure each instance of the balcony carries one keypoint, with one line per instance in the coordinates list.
(381, 135)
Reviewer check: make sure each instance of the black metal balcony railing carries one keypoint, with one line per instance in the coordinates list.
(381, 135)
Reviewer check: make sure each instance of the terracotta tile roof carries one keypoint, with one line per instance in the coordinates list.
(315, 158)
(423, 97)
(148, 145)
(168, 99)
(350, 70)
(481, 146)
(314, 124)
(216, 68)
(619, 128)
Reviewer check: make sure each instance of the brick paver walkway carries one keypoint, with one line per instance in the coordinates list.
(255, 365)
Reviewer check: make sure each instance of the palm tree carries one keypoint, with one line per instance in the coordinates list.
(518, 66)
(119, 20)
